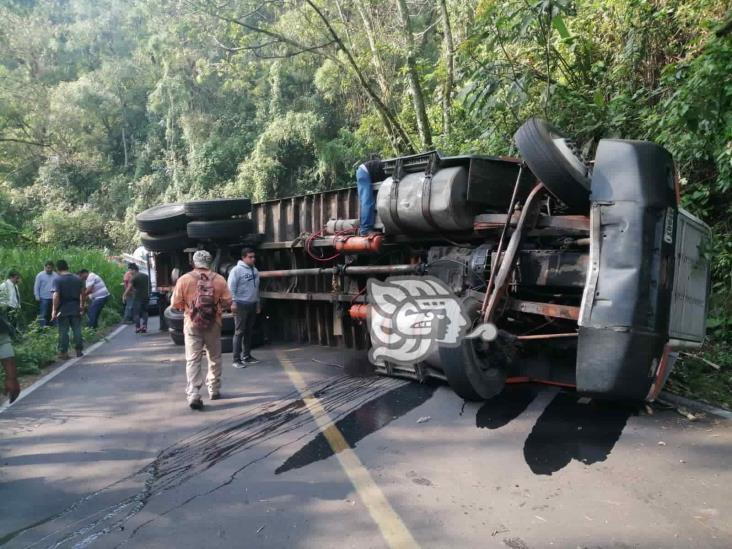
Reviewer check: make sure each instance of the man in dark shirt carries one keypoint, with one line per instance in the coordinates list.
(140, 288)
(367, 174)
(68, 305)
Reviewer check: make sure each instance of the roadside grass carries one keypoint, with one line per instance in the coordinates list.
(706, 375)
(36, 347)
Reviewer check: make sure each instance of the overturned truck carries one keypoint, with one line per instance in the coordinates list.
(590, 271)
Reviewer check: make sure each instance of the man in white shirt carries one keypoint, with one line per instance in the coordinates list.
(10, 296)
(43, 292)
(97, 292)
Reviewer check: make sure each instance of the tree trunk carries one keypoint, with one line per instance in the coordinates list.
(423, 124)
(368, 26)
(449, 72)
(399, 137)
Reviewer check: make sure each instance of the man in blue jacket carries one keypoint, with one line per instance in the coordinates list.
(244, 285)
(367, 174)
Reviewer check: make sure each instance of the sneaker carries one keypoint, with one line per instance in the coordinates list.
(137, 330)
(250, 360)
(215, 396)
(143, 330)
(63, 356)
(79, 353)
(238, 365)
(196, 404)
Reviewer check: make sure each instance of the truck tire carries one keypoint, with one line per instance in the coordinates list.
(555, 161)
(222, 229)
(177, 337)
(227, 344)
(165, 218)
(472, 373)
(219, 208)
(227, 323)
(170, 242)
(174, 319)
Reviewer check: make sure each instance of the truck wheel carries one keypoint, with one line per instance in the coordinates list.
(222, 229)
(227, 344)
(165, 242)
(555, 160)
(474, 374)
(165, 218)
(227, 323)
(220, 208)
(174, 318)
(177, 337)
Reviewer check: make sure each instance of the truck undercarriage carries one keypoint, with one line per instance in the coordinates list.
(591, 274)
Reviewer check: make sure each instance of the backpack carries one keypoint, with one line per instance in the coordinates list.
(203, 312)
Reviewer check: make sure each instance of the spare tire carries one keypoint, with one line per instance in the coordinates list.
(555, 160)
(219, 208)
(162, 219)
(174, 318)
(222, 229)
(227, 323)
(177, 336)
(166, 242)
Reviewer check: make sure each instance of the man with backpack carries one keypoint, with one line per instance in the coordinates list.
(202, 294)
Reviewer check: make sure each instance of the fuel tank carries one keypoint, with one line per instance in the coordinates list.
(419, 203)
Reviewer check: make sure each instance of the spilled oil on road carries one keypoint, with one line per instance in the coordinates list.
(243, 437)
(367, 419)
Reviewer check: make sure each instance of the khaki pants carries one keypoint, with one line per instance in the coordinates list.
(196, 340)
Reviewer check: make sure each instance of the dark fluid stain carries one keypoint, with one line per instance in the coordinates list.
(505, 407)
(568, 430)
(357, 364)
(360, 423)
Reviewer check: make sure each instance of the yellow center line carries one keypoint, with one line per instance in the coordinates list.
(390, 524)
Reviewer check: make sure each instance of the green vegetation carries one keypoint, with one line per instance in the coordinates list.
(37, 346)
(107, 107)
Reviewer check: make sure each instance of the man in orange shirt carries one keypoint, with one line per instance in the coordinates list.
(202, 294)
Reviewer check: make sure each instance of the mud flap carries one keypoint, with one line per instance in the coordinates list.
(625, 307)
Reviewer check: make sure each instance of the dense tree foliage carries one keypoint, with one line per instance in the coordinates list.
(109, 106)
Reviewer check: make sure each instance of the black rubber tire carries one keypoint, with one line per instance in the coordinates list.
(554, 162)
(219, 208)
(165, 218)
(222, 229)
(469, 374)
(227, 323)
(227, 344)
(166, 242)
(177, 337)
(227, 341)
(174, 318)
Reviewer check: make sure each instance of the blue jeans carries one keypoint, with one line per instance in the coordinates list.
(95, 309)
(45, 306)
(129, 306)
(366, 201)
(64, 322)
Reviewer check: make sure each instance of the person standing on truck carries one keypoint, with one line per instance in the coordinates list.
(367, 174)
(68, 304)
(202, 295)
(43, 292)
(139, 288)
(244, 285)
(97, 291)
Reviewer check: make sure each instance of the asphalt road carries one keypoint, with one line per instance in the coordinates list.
(308, 450)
